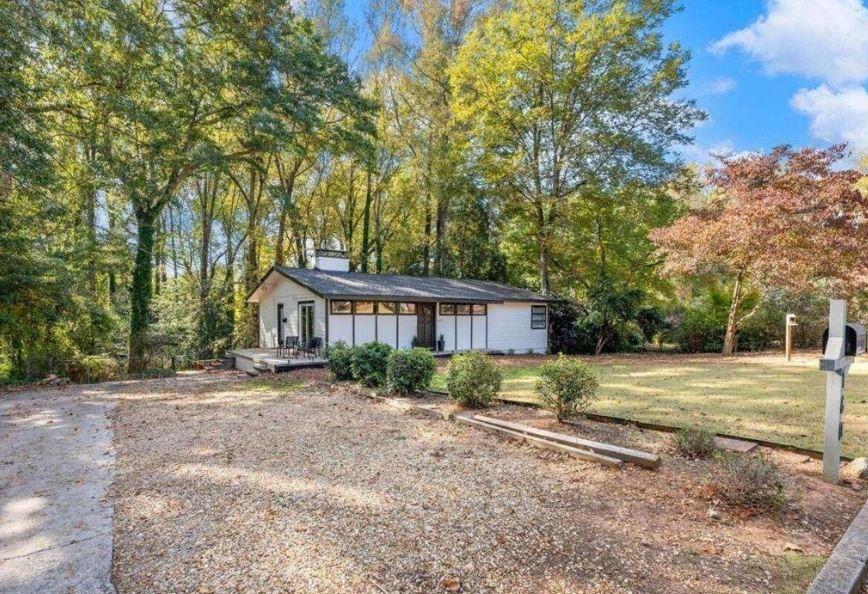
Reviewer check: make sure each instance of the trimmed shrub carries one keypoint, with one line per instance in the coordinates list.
(370, 363)
(566, 386)
(95, 368)
(410, 370)
(695, 442)
(339, 360)
(472, 379)
(752, 483)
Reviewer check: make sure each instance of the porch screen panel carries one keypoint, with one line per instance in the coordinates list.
(479, 330)
(406, 330)
(340, 329)
(463, 329)
(386, 329)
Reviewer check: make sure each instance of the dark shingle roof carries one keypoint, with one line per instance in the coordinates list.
(359, 285)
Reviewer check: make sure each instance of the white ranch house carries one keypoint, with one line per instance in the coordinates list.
(445, 315)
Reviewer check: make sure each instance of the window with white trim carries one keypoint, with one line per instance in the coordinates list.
(538, 317)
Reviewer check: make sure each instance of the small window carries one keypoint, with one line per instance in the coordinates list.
(479, 309)
(462, 309)
(407, 308)
(341, 307)
(387, 308)
(363, 307)
(538, 317)
(447, 309)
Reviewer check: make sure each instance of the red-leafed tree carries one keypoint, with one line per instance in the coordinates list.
(786, 219)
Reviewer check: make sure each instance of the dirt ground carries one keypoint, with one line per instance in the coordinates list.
(295, 485)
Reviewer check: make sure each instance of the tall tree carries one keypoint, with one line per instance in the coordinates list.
(568, 99)
(788, 219)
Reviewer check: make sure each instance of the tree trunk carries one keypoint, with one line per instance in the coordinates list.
(426, 247)
(251, 279)
(542, 242)
(279, 250)
(732, 319)
(140, 290)
(602, 339)
(366, 225)
(439, 233)
(158, 256)
(378, 241)
(90, 208)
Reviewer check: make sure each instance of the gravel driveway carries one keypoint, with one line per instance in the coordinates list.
(56, 462)
(263, 486)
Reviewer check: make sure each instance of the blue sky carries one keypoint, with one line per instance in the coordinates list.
(768, 72)
(775, 72)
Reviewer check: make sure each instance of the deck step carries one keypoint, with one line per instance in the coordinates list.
(637, 457)
(539, 442)
(261, 367)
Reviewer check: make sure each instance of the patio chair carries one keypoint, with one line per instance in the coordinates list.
(312, 346)
(290, 346)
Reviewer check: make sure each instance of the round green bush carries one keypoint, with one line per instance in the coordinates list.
(370, 363)
(94, 369)
(339, 360)
(410, 370)
(472, 379)
(566, 386)
(695, 442)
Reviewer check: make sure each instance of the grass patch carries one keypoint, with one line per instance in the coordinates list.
(796, 571)
(761, 396)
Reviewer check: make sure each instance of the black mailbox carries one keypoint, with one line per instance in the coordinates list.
(854, 340)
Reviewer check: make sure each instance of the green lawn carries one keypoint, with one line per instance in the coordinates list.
(760, 396)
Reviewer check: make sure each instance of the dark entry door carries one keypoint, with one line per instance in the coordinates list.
(425, 325)
(279, 323)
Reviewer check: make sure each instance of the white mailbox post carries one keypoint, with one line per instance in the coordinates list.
(835, 362)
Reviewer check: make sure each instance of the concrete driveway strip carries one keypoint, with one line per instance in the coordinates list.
(56, 465)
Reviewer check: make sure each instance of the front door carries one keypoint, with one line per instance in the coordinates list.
(279, 324)
(305, 322)
(425, 325)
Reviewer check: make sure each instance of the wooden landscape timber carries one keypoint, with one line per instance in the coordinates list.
(626, 454)
(584, 454)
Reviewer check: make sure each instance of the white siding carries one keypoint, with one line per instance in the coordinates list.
(340, 328)
(446, 327)
(365, 328)
(509, 328)
(289, 293)
(386, 326)
(479, 330)
(461, 333)
(406, 331)
(464, 333)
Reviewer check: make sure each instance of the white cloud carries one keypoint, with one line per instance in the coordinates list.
(720, 86)
(821, 39)
(836, 115)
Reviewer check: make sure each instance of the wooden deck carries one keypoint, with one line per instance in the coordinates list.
(266, 360)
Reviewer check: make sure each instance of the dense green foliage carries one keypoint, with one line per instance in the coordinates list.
(370, 363)
(694, 441)
(472, 379)
(156, 159)
(339, 360)
(410, 370)
(566, 386)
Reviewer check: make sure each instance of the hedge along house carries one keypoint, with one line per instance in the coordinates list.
(446, 315)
